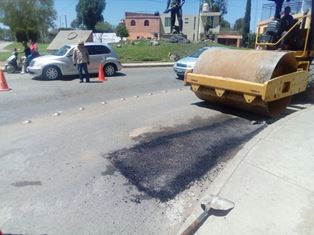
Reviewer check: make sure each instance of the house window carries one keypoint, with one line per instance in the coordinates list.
(133, 23)
(167, 22)
(146, 23)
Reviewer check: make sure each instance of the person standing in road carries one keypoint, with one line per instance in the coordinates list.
(27, 53)
(34, 48)
(34, 51)
(27, 50)
(81, 60)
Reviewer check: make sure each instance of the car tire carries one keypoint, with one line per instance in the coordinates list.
(51, 73)
(110, 70)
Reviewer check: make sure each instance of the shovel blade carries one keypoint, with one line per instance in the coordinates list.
(216, 203)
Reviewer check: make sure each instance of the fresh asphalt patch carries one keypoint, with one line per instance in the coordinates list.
(166, 163)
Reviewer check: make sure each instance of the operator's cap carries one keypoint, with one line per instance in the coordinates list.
(81, 42)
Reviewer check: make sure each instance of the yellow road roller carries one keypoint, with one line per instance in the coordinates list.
(261, 80)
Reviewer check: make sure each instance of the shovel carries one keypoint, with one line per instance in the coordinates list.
(211, 205)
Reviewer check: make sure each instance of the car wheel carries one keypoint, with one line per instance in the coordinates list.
(9, 68)
(51, 73)
(110, 69)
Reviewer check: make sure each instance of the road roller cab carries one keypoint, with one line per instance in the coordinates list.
(261, 80)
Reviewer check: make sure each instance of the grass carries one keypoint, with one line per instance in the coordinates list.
(143, 51)
(139, 51)
(42, 48)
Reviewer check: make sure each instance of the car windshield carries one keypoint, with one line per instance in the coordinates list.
(197, 53)
(62, 51)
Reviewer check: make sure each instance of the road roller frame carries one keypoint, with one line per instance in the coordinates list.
(273, 90)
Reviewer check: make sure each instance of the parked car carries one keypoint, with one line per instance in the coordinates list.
(182, 65)
(60, 63)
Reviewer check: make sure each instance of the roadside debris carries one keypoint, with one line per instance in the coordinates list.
(211, 205)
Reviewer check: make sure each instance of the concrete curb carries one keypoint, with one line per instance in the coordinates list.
(147, 65)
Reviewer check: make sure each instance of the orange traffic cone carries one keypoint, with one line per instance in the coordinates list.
(3, 82)
(101, 75)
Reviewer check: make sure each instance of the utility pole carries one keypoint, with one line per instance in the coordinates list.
(255, 20)
(66, 22)
(198, 20)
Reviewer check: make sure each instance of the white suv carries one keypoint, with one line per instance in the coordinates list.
(60, 63)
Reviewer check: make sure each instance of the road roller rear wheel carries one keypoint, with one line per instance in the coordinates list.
(310, 89)
(271, 109)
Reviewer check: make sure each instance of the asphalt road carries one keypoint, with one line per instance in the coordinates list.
(32, 97)
(135, 165)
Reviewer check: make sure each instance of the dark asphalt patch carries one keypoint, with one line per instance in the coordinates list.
(165, 166)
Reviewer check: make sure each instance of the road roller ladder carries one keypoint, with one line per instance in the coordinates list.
(261, 80)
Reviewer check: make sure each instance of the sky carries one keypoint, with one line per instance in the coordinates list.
(115, 9)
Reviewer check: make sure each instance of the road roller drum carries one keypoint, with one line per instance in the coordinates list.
(249, 65)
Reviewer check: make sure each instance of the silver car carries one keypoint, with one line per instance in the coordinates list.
(182, 65)
(186, 63)
(60, 63)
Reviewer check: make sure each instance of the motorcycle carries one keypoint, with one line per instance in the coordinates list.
(14, 64)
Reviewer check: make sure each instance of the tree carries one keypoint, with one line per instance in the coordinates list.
(238, 25)
(246, 23)
(122, 31)
(221, 5)
(31, 17)
(75, 24)
(217, 5)
(89, 12)
(224, 24)
(104, 27)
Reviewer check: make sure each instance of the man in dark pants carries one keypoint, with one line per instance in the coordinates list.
(81, 60)
(175, 8)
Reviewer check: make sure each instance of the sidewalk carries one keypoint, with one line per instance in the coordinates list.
(271, 182)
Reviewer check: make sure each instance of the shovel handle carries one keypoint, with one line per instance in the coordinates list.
(196, 224)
